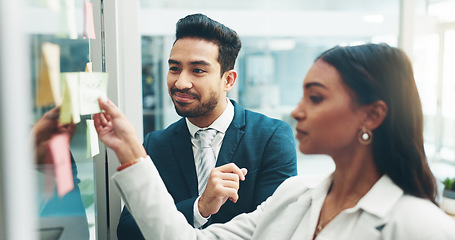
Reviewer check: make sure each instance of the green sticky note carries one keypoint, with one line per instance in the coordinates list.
(92, 139)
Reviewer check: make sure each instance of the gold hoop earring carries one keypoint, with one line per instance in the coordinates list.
(365, 136)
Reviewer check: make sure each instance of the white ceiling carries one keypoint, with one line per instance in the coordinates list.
(386, 6)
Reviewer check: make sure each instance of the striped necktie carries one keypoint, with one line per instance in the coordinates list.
(207, 159)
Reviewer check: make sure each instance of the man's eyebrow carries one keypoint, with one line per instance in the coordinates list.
(200, 63)
(314, 84)
(170, 61)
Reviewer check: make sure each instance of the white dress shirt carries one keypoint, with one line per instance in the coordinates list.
(221, 124)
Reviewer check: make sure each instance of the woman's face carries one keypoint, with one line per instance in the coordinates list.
(328, 120)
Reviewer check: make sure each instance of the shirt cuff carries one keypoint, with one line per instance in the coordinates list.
(128, 164)
(199, 220)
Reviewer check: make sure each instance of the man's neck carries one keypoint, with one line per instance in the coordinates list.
(207, 119)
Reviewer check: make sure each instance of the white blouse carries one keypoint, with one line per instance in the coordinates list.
(290, 213)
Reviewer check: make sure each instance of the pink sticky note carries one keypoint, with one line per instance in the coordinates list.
(59, 152)
(89, 26)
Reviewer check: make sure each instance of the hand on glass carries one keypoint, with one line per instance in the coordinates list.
(117, 132)
(46, 127)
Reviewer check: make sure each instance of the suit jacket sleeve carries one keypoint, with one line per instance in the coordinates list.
(279, 162)
(128, 229)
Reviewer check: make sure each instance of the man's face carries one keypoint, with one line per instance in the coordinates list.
(194, 80)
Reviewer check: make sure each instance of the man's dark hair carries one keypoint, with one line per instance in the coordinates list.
(202, 27)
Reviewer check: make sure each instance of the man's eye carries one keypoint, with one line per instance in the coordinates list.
(197, 70)
(173, 69)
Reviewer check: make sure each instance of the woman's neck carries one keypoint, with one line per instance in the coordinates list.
(353, 177)
(355, 174)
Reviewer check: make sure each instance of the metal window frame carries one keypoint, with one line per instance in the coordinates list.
(118, 52)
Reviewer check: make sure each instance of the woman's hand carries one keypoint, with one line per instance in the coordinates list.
(117, 132)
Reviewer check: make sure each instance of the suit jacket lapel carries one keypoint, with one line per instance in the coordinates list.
(233, 136)
(183, 152)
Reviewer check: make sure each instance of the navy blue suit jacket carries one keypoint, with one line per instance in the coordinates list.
(263, 145)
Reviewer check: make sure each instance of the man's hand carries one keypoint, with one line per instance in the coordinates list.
(116, 131)
(222, 184)
(47, 126)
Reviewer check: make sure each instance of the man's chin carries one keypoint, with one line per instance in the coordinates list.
(182, 110)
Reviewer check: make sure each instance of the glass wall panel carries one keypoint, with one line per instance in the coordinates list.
(433, 60)
(72, 215)
(448, 98)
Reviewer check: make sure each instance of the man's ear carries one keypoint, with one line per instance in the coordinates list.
(376, 112)
(229, 78)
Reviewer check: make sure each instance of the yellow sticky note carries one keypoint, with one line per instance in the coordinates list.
(93, 147)
(48, 90)
(92, 85)
(69, 111)
(89, 67)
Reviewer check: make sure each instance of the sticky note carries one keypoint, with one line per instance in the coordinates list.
(53, 5)
(69, 110)
(89, 67)
(48, 89)
(81, 93)
(59, 152)
(93, 147)
(49, 175)
(92, 85)
(67, 23)
(89, 25)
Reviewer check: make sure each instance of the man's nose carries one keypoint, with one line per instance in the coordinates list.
(183, 81)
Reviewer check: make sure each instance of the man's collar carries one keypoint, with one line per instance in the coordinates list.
(221, 124)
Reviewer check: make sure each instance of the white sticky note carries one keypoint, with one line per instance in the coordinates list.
(53, 5)
(67, 23)
(92, 85)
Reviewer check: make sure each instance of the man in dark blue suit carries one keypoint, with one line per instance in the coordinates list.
(201, 72)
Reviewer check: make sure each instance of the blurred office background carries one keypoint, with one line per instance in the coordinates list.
(280, 41)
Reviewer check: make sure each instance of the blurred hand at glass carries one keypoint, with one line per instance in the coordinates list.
(46, 127)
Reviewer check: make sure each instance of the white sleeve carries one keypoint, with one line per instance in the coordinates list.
(199, 220)
(157, 216)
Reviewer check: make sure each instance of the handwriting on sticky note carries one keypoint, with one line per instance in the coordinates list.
(81, 93)
(59, 152)
(91, 86)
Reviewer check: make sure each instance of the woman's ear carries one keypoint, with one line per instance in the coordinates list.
(229, 79)
(376, 112)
